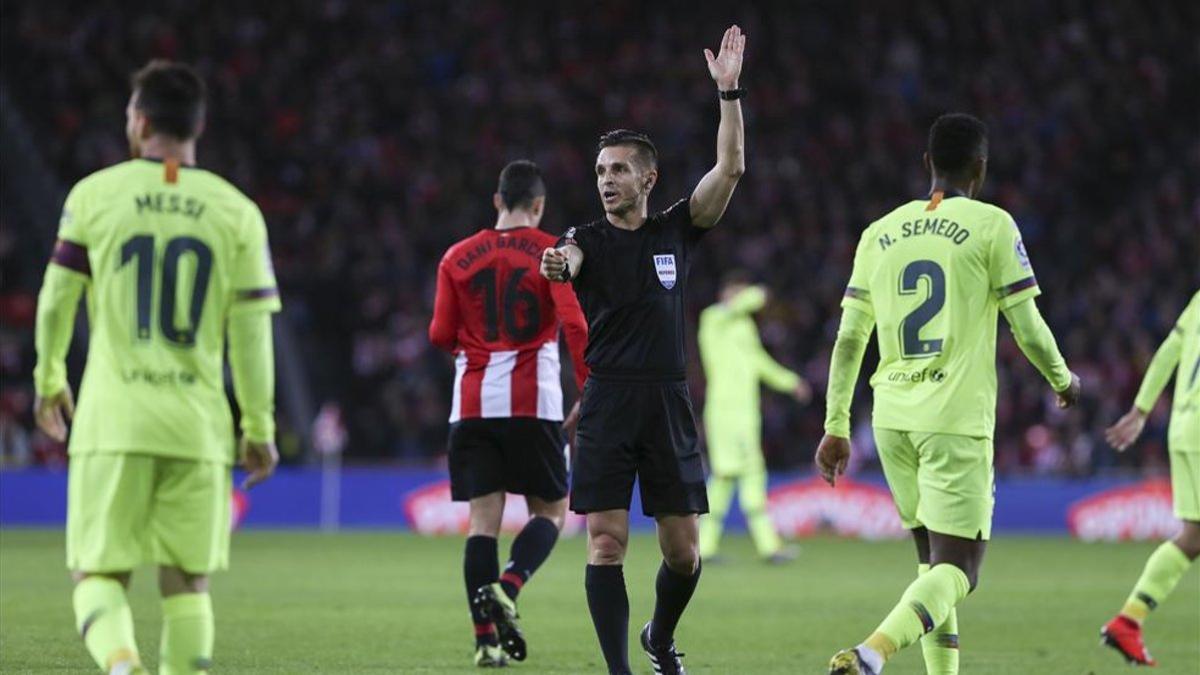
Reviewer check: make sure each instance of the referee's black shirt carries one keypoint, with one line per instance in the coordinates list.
(631, 287)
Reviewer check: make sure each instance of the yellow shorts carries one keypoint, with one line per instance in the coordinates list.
(734, 449)
(943, 482)
(1185, 484)
(126, 510)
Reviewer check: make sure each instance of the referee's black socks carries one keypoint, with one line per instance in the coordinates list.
(673, 591)
(481, 566)
(609, 605)
(529, 550)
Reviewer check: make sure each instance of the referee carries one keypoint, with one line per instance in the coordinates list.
(630, 273)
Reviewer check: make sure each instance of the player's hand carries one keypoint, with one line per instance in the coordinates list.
(1069, 396)
(726, 66)
(832, 456)
(803, 392)
(1126, 430)
(259, 459)
(53, 412)
(572, 422)
(554, 262)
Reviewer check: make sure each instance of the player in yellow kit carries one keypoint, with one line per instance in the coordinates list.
(1179, 355)
(175, 265)
(931, 277)
(735, 366)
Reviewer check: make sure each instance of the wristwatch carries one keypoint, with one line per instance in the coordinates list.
(732, 94)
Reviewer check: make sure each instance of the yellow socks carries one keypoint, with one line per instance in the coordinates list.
(103, 618)
(940, 648)
(1163, 570)
(187, 634)
(926, 604)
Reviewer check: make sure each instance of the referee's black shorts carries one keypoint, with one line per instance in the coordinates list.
(521, 455)
(643, 430)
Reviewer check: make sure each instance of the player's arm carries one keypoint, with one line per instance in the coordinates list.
(1127, 429)
(67, 277)
(854, 330)
(772, 373)
(252, 362)
(779, 377)
(1036, 341)
(748, 300)
(575, 330)
(252, 349)
(853, 333)
(443, 328)
(1015, 287)
(711, 196)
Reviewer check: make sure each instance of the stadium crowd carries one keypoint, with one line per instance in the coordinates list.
(371, 135)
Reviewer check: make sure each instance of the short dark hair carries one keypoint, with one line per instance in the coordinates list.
(172, 96)
(520, 183)
(646, 152)
(956, 140)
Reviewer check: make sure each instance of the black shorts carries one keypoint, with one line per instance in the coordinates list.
(521, 455)
(637, 429)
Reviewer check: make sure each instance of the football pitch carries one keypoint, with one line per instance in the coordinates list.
(298, 602)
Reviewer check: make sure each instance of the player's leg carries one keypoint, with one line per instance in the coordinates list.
(752, 494)
(108, 498)
(954, 502)
(191, 523)
(533, 544)
(608, 600)
(940, 647)
(476, 463)
(481, 569)
(678, 537)
(1165, 567)
(537, 468)
(602, 487)
(724, 465)
(188, 630)
(673, 493)
(712, 525)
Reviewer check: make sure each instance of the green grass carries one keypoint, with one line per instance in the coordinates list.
(388, 602)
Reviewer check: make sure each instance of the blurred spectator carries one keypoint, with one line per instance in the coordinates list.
(371, 135)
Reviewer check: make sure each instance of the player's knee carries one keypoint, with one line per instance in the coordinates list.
(606, 549)
(971, 571)
(555, 512)
(174, 581)
(559, 519)
(119, 577)
(682, 559)
(1188, 539)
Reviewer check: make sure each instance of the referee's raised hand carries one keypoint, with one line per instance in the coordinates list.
(726, 65)
(554, 264)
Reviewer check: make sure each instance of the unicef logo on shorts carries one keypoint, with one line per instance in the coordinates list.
(664, 267)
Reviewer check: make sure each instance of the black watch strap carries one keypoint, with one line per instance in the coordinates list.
(732, 94)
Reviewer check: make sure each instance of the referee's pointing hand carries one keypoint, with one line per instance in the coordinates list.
(554, 263)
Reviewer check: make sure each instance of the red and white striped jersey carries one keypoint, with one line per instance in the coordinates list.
(500, 318)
